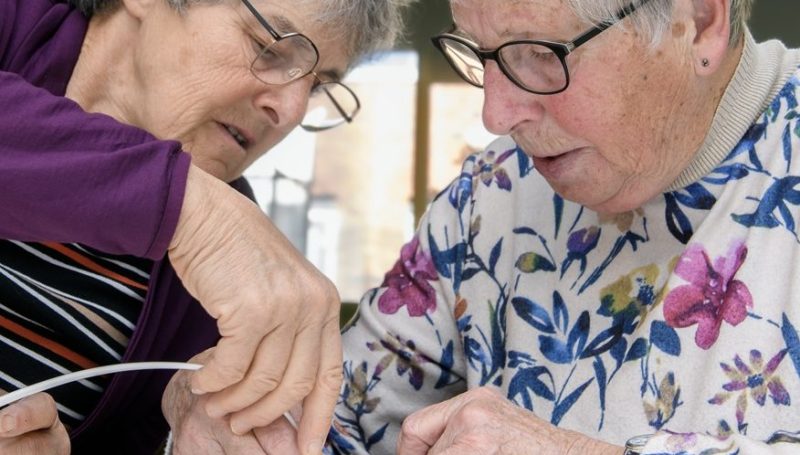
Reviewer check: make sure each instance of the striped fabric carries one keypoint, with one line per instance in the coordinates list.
(66, 307)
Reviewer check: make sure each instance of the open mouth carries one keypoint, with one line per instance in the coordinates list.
(237, 136)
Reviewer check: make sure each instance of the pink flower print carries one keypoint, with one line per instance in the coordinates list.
(407, 283)
(712, 295)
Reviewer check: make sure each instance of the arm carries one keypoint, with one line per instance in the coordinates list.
(404, 350)
(69, 176)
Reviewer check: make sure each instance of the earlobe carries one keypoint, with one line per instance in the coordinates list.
(138, 8)
(712, 26)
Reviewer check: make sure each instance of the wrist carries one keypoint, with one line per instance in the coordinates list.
(585, 445)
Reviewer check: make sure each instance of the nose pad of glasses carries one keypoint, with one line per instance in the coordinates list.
(293, 73)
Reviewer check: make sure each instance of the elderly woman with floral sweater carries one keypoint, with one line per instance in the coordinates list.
(621, 263)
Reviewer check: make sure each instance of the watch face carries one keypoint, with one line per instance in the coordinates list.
(635, 444)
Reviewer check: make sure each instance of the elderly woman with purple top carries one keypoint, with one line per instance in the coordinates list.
(618, 272)
(122, 123)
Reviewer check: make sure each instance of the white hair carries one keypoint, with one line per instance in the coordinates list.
(653, 18)
(366, 25)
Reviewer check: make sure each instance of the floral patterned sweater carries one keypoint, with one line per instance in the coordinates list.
(680, 319)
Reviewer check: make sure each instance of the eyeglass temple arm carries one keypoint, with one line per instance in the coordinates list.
(621, 14)
(261, 20)
(344, 115)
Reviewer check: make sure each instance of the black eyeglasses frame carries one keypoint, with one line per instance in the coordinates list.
(560, 48)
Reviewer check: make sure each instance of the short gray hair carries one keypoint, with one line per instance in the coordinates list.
(366, 25)
(652, 19)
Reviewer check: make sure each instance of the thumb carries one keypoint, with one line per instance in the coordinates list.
(423, 428)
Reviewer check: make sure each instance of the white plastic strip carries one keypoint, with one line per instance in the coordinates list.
(90, 373)
(48, 384)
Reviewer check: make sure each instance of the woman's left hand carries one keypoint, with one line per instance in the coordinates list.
(193, 431)
(481, 421)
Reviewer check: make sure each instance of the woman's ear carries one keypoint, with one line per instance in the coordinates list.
(712, 21)
(138, 8)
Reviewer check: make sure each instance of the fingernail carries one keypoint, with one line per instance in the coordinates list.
(197, 391)
(315, 448)
(238, 430)
(8, 423)
(214, 412)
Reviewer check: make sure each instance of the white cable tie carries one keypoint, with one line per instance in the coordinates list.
(48, 384)
(32, 389)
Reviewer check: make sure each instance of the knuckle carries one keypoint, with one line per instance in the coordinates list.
(299, 389)
(331, 379)
(472, 412)
(264, 382)
(409, 427)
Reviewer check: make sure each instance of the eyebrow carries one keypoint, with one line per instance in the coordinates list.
(281, 24)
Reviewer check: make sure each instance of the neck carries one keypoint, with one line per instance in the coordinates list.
(708, 94)
(104, 73)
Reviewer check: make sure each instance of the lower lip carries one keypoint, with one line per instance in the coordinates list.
(557, 166)
(230, 137)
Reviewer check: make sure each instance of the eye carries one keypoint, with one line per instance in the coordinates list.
(540, 53)
(265, 53)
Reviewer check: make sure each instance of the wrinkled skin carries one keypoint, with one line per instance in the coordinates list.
(483, 422)
(31, 427)
(185, 76)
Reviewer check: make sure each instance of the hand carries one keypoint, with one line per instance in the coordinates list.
(278, 316)
(193, 431)
(31, 426)
(481, 421)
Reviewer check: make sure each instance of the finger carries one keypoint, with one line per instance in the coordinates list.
(218, 444)
(318, 407)
(264, 376)
(296, 384)
(278, 438)
(229, 362)
(449, 440)
(52, 441)
(36, 412)
(422, 429)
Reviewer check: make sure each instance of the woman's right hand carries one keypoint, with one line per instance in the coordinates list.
(31, 427)
(278, 315)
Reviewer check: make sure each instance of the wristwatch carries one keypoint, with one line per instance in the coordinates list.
(635, 445)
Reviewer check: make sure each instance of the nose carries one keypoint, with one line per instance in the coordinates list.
(285, 105)
(505, 105)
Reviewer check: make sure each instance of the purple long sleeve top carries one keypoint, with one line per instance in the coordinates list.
(70, 176)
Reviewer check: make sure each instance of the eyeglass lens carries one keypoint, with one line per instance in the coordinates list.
(330, 104)
(293, 56)
(533, 66)
(285, 60)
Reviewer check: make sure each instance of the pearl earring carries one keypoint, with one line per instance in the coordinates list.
(705, 62)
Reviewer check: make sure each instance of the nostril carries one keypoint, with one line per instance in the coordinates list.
(274, 118)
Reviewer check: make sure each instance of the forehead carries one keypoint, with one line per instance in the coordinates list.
(490, 23)
(303, 16)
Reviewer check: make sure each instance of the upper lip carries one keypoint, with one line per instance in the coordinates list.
(541, 148)
(244, 133)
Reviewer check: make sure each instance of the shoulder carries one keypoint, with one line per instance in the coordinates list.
(27, 25)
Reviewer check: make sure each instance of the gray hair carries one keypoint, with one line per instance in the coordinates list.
(366, 25)
(652, 19)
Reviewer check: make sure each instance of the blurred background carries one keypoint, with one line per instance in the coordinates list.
(350, 197)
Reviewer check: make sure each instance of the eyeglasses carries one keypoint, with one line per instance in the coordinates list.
(293, 56)
(534, 66)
